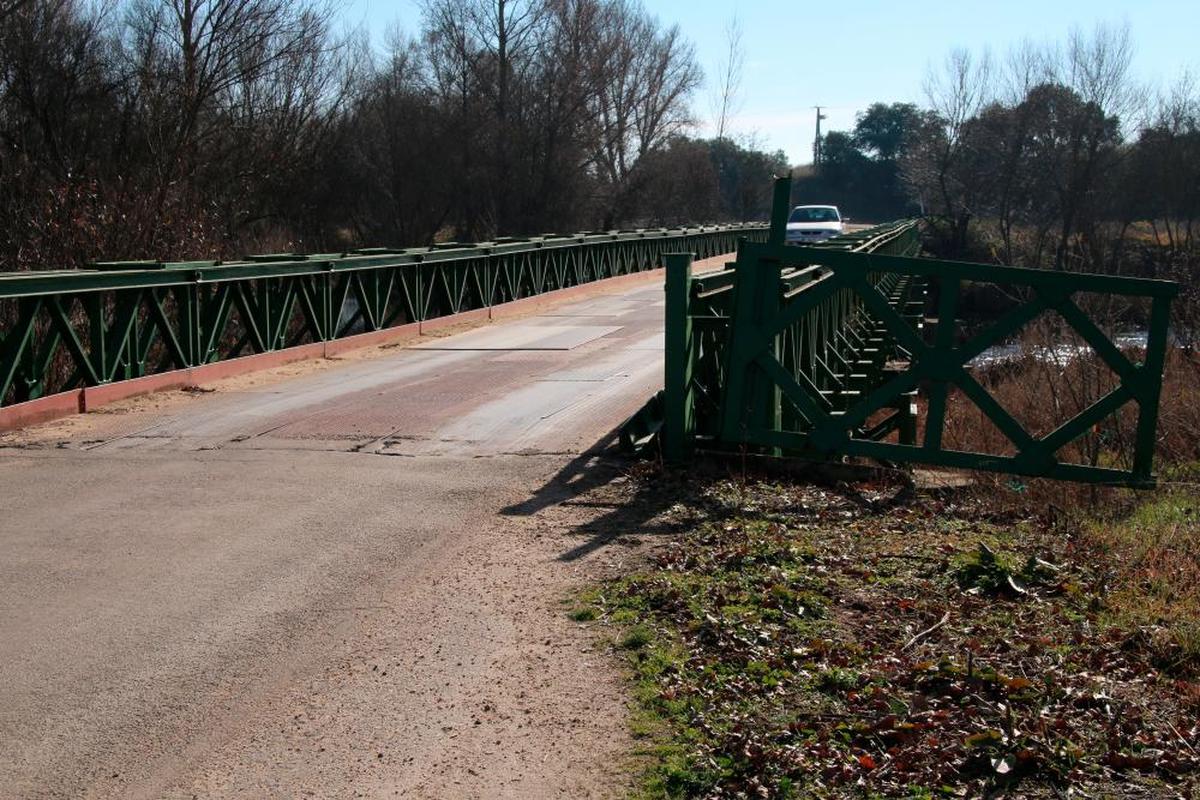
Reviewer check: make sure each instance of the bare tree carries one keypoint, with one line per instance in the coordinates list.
(1097, 67)
(213, 80)
(394, 176)
(1025, 66)
(59, 112)
(1163, 178)
(507, 33)
(490, 46)
(645, 99)
(727, 100)
(571, 74)
(956, 93)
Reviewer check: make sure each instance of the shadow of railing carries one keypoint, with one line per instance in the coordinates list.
(594, 468)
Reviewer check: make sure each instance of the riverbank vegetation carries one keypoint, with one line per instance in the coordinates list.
(864, 641)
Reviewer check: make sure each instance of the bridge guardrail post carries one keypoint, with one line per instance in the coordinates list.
(679, 417)
(1150, 387)
(780, 209)
(949, 287)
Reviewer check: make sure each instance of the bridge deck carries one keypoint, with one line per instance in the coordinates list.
(310, 583)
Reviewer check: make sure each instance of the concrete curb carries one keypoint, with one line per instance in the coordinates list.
(76, 401)
(358, 341)
(450, 320)
(92, 397)
(44, 409)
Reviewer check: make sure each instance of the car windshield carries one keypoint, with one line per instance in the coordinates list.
(816, 214)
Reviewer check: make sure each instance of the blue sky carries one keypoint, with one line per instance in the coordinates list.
(846, 55)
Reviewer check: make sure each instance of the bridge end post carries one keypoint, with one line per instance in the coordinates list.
(781, 203)
(678, 414)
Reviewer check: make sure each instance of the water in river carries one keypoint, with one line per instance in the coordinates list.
(1059, 354)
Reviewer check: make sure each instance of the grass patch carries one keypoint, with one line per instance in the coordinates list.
(798, 642)
(636, 638)
(1154, 555)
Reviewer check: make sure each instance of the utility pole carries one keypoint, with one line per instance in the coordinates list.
(817, 140)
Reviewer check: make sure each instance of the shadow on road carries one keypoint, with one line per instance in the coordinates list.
(596, 467)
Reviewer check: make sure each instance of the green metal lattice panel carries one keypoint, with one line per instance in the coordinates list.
(822, 351)
(115, 320)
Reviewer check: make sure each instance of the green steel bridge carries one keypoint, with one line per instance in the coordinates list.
(113, 321)
(814, 351)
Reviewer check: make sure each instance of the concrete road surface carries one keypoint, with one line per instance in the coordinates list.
(338, 584)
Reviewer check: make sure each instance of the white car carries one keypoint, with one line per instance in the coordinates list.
(809, 224)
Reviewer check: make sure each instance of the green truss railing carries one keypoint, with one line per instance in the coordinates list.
(821, 351)
(117, 320)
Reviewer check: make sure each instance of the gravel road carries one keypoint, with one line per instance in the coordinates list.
(345, 579)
